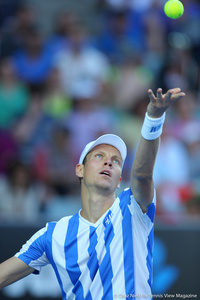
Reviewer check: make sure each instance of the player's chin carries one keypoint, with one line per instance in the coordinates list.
(105, 184)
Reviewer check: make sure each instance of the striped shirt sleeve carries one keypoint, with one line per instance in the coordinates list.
(33, 252)
(148, 217)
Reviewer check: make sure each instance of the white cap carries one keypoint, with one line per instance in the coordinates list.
(109, 139)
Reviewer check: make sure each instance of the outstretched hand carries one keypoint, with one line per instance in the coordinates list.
(160, 103)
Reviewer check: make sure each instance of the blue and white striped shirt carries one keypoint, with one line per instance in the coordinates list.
(106, 260)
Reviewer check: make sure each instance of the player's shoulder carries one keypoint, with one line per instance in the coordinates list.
(126, 193)
(63, 222)
(124, 198)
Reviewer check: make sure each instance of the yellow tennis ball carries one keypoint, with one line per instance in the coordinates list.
(173, 9)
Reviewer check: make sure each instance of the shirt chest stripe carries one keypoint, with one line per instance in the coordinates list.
(49, 253)
(106, 271)
(128, 248)
(93, 264)
(71, 256)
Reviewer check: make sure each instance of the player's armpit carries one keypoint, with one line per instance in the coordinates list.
(12, 270)
(143, 192)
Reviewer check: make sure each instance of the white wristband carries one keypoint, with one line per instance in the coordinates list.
(152, 128)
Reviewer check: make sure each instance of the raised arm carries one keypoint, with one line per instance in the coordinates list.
(142, 185)
(12, 270)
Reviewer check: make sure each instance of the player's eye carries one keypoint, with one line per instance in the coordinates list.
(98, 155)
(116, 161)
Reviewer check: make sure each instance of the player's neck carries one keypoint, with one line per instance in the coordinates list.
(95, 205)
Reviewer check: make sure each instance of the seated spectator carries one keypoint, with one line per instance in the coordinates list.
(56, 103)
(180, 67)
(191, 139)
(121, 34)
(20, 196)
(34, 129)
(34, 61)
(171, 173)
(8, 150)
(132, 82)
(53, 165)
(64, 21)
(14, 95)
(87, 111)
(83, 60)
(15, 28)
(185, 128)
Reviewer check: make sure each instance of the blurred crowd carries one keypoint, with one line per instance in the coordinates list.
(60, 90)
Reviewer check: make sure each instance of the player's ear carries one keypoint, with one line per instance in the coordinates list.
(118, 186)
(79, 170)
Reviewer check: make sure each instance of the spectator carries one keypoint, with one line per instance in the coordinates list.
(64, 22)
(14, 95)
(171, 174)
(180, 67)
(83, 61)
(15, 28)
(8, 150)
(54, 167)
(34, 129)
(20, 196)
(121, 34)
(156, 25)
(132, 81)
(56, 102)
(86, 112)
(52, 163)
(33, 63)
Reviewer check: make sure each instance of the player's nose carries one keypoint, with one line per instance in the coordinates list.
(108, 162)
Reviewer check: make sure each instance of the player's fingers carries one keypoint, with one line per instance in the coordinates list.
(178, 96)
(159, 95)
(151, 95)
(173, 94)
(175, 90)
(168, 96)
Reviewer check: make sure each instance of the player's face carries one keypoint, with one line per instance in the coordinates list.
(103, 168)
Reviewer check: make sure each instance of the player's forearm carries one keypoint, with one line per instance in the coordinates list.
(148, 147)
(12, 270)
(142, 185)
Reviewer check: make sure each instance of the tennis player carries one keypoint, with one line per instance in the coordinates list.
(105, 250)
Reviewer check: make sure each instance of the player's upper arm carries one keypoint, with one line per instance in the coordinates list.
(143, 192)
(12, 270)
